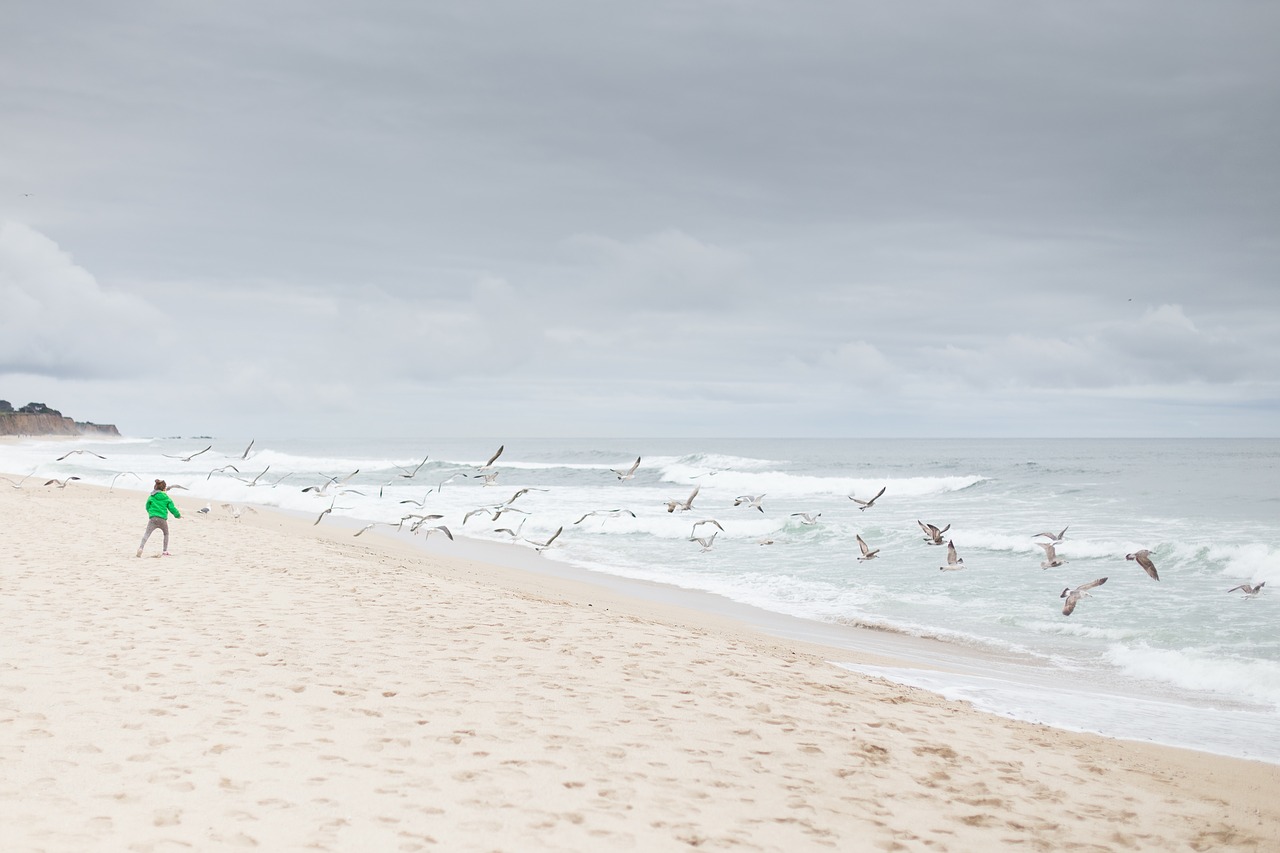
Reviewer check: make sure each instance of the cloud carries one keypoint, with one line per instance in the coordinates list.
(59, 322)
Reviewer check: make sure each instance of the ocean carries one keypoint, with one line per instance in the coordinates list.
(1179, 661)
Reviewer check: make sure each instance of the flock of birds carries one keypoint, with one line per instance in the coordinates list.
(425, 523)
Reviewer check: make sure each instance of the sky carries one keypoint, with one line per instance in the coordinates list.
(718, 218)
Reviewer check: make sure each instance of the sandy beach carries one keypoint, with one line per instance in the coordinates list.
(285, 686)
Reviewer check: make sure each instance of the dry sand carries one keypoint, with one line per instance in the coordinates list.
(290, 687)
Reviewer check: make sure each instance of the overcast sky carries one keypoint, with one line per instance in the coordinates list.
(643, 219)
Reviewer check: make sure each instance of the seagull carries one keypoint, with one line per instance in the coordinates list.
(122, 474)
(1055, 538)
(698, 524)
(439, 527)
(954, 563)
(188, 458)
(419, 504)
(807, 517)
(1143, 558)
(1073, 596)
(62, 484)
(411, 474)
(752, 501)
(865, 505)
(607, 513)
(522, 493)
(1249, 590)
(932, 534)
(421, 520)
(327, 511)
(705, 541)
(494, 512)
(542, 546)
(18, 485)
(206, 509)
(686, 504)
(221, 470)
(1051, 558)
(236, 510)
(867, 553)
(629, 473)
(245, 455)
(74, 452)
(764, 541)
(486, 466)
(514, 534)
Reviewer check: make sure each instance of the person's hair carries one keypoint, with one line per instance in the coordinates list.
(161, 485)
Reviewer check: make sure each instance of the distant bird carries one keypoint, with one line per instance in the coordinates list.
(694, 531)
(409, 475)
(522, 492)
(255, 480)
(188, 458)
(705, 541)
(807, 517)
(328, 510)
(62, 484)
(1073, 596)
(629, 473)
(221, 470)
(607, 513)
(490, 477)
(513, 533)
(1143, 558)
(245, 455)
(237, 510)
(684, 505)
(865, 505)
(954, 563)
(74, 452)
(18, 483)
(122, 474)
(1051, 558)
(867, 553)
(448, 479)
(932, 534)
(439, 528)
(1055, 538)
(751, 501)
(419, 504)
(419, 520)
(765, 540)
(1249, 590)
(494, 458)
(542, 546)
(206, 509)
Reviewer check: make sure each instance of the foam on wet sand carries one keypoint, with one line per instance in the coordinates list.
(285, 686)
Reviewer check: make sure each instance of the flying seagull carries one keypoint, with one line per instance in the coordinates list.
(122, 474)
(439, 527)
(221, 470)
(1143, 558)
(865, 505)
(684, 505)
(1051, 558)
(705, 541)
(18, 484)
(807, 517)
(74, 452)
(493, 458)
(408, 474)
(1249, 590)
(1073, 596)
(607, 513)
(62, 484)
(693, 532)
(1055, 538)
(245, 455)
(932, 534)
(188, 458)
(629, 473)
(542, 546)
(867, 553)
(751, 501)
(954, 563)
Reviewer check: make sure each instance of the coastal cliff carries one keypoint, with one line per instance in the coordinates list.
(39, 419)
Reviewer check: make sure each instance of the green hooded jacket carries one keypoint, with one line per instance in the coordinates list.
(159, 505)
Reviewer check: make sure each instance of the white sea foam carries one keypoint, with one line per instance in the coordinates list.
(1258, 680)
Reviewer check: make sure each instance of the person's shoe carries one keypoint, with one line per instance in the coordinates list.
(165, 554)
(139, 552)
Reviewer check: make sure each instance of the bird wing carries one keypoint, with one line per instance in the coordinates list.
(862, 545)
(951, 553)
(1090, 585)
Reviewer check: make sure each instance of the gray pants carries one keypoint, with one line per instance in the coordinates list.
(156, 524)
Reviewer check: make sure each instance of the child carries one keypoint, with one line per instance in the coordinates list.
(159, 505)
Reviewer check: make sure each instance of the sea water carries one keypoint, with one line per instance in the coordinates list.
(1179, 661)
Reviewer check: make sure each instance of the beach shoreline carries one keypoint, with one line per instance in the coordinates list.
(288, 685)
